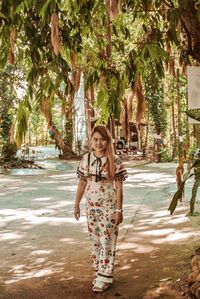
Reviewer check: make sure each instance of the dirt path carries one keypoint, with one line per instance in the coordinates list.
(45, 253)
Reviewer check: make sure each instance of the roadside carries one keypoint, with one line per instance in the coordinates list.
(45, 253)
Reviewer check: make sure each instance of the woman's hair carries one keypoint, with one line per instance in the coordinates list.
(105, 133)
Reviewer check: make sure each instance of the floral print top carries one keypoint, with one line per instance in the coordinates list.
(90, 165)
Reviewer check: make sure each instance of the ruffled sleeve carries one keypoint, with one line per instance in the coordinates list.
(120, 171)
(82, 170)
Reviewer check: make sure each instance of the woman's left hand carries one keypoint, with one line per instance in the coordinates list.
(118, 218)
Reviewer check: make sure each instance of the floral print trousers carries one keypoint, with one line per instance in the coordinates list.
(100, 206)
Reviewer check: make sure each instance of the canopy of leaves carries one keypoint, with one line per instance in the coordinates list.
(111, 55)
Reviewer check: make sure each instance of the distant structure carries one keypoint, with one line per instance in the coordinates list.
(80, 130)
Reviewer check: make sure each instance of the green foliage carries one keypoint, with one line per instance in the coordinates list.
(8, 151)
(22, 122)
(154, 95)
(68, 132)
(194, 113)
(177, 196)
(7, 102)
(179, 193)
(139, 36)
(165, 155)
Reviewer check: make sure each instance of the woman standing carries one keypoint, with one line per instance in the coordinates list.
(101, 174)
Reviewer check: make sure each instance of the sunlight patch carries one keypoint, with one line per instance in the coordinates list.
(10, 236)
(138, 248)
(159, 232)
(69, 241)
(177, 236)
(42, 199)
(38, 252)
(125, 267)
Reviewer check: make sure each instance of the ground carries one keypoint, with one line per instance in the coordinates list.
(45, 253)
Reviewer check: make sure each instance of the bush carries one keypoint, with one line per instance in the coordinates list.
(8, 152)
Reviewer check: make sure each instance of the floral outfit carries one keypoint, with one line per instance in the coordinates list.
(101, 203)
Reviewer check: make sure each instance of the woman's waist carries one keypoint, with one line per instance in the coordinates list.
(98, 179)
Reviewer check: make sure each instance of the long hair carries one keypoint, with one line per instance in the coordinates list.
(105, 133)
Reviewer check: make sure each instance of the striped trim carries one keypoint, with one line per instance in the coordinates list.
(81, 175)
(123, 172)
(80, 172)
(103, 275)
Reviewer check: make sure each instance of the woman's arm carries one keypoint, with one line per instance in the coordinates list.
(79, 194)
(119, 212)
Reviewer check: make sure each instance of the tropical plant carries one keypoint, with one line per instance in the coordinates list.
(54, 41)
(196, 173)
(8, 148)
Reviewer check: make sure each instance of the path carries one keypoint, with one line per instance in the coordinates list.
(45, 253)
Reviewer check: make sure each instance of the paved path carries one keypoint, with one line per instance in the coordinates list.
(45, 253)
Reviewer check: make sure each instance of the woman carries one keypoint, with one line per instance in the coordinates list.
(102, 174)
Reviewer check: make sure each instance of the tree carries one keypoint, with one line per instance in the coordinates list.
(55, 41)
(8, 148)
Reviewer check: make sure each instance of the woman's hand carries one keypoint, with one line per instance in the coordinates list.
(118, 217)
(77, 212)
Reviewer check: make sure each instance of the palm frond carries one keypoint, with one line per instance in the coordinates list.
(21, 123)
(193, 113)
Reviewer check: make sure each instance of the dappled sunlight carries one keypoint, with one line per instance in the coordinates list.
(65, 175)
(10, 236)
(138, 228)
(39, 252)
(67, 188)
(161, 213)
(22, 274)
(37, 217)
(158, 232)
(177, 220)
(8, 179)
(69, 241)
(39, 230)
(176, 236)
(126, 267)
(135, 247)
(42, 199)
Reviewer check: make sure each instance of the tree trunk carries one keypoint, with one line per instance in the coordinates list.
(191, 26)
(144, 153)
(180, 137)
(90, 98)
(196, 134)
(158, 146)
(111, 120)
(67, 152)
(174, 141)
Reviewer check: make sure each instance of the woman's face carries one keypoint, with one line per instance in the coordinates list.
(99, 144)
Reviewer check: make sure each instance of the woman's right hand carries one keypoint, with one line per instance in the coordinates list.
(77, 212)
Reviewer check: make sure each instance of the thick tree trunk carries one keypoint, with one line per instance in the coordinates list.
(158, 146)
(111, 120)
(67, 152)
(174, 139)
(191, 26)
(196, 134)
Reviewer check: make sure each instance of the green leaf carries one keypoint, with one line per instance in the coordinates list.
(193, 198)
(2, 15)
(193, 113)
(115, 30)
(178, 195)
(44, 8)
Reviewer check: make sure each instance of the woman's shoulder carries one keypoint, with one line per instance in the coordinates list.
(117, 159)
(85, 155)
